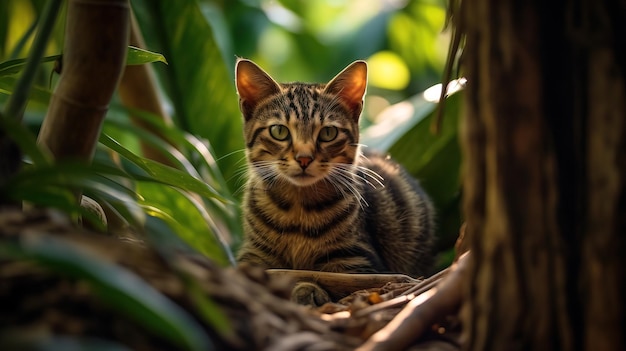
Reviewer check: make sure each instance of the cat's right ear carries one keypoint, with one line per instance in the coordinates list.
(253, 86)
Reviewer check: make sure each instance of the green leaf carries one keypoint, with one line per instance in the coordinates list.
(435, 161)
(404, 131)
(396, 121)
(187, 217)
(195, 158)
(12, 67)
(137, 56)
(193, 155)
(37, 94)
(117, 287)
(199, 83)
(56, 185)
(157, 172)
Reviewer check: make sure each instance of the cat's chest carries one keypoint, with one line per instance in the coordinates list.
(302, 253)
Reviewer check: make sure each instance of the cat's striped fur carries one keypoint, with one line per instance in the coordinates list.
(313, 200)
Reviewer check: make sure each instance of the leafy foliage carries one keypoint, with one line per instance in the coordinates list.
(115, 286)
(194, 203)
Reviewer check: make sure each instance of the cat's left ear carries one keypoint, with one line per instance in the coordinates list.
(253, 86)
(349, 85)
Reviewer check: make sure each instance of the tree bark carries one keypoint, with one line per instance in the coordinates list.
(544, 138)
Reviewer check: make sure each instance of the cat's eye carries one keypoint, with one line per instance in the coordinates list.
(279, 132)
(328, 133)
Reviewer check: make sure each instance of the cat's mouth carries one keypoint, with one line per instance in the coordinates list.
(303, 179)
(303, 176)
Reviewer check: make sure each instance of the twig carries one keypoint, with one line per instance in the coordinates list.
(427, 283)
(405, 297)
(420, 313)
(343, 284)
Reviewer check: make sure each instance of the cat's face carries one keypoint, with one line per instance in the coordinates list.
(301, 133)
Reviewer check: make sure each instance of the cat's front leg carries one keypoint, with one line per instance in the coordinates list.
(308, 293)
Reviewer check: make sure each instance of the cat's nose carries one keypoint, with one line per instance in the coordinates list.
(304, 160)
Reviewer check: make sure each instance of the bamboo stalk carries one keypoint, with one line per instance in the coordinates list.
(94, 55)
(138, 90)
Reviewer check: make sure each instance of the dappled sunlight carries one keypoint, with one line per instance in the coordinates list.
(308, 40)
(281, 15)
(390, 125)
(391, 117)
(388, 71)
(385, 333)
(433, 93)
(23, 15)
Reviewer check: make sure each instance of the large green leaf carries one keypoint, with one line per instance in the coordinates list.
(56, 185)
(117, 287)
(188, 218)
(150, 170)
(194, 156)
(433, 158)
(404, 130)
(197, 80)
(395, 122)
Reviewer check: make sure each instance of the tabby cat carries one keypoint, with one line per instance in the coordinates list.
(313, 199)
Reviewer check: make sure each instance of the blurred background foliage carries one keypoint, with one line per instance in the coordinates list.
(402, 40)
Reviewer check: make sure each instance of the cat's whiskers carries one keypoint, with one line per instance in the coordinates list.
(264, 168)
(340, 189)
(241, 175)
(231, 154)
(363, 179)
(351, 175)
(345, 182)
(373, 175)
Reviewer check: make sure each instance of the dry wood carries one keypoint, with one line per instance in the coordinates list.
(255, 302)
(340, 285)
(421, 313)
(405, 296)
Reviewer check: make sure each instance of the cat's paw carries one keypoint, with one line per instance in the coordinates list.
(307, 293)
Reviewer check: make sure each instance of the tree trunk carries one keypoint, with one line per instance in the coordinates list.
(544, 138)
